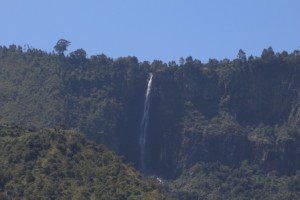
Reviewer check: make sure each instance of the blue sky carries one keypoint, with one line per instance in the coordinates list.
(156, 29)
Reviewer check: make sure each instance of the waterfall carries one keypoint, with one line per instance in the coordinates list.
(144, 125)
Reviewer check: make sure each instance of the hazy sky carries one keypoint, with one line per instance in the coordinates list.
(156, 29)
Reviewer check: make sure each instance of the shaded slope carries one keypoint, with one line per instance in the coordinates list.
(228, 112)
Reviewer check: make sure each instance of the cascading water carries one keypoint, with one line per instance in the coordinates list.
(144, 125)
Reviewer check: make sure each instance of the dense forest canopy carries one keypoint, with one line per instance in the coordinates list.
(61, 164)
(232, 121)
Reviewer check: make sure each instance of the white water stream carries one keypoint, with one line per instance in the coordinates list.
(144, 125)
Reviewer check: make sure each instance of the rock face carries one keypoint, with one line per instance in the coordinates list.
(222, 111)
(263, 94)
(250, 114)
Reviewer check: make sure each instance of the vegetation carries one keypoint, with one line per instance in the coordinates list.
(61, 46)
(217, 181)
(61, 164)
(224, 116)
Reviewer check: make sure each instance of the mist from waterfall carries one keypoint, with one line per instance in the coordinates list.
(144, 125)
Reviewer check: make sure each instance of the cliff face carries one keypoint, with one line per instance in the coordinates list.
(249, 114)
(263, 93)
(222, 111)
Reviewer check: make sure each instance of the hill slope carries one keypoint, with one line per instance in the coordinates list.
(217, 181)
(60, 164)
(246, 110)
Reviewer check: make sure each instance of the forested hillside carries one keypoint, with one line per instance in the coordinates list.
(61, 164)
(238, 118)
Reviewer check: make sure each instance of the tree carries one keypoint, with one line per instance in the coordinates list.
(242, 55)
(181, 61)
(61, 46)
(268, 53)
(172, 64)
(78, 55)
(189, 60)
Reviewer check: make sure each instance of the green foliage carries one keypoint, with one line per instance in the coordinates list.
(217, 181)
(242, 56)
(61, 46)
(61, 164)
(230, 112)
